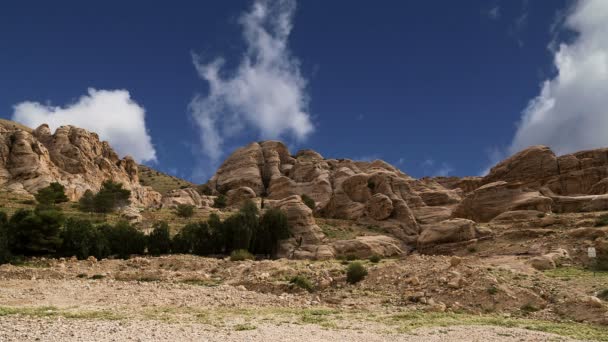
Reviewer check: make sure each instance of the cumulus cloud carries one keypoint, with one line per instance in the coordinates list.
(571, 111)
(265, 94)
(494, 12)
(112, 114)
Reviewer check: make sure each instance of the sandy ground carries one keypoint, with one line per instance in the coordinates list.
(67, 330)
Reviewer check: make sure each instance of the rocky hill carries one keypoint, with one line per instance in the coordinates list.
(410, 213)
(32, 159)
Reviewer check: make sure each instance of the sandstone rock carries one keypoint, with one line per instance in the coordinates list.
(241, 168)
(239, 195)
(455, 261)
(542, 263)
(187, 196)
(529, 166)
(571, 204)
(74, 157)
(518, 215)
(366, 246)
(492, 199)
(131, 215)
(426, 215)
(379, 207)
(454, 230)
(594, 301)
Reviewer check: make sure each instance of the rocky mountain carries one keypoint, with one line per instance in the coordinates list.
(78, 159)
(412, 213)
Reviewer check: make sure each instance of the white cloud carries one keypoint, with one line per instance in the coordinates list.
(571, 111)
(112, 114)
(444, 170)
(266, 93)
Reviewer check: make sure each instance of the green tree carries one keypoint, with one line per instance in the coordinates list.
(273, 227)
(87, 201)
(309, 202)
(35, 232)
(159, 241)
(5, 253)
(195, 238)
(220, 201)
(237, 232)
(82, 239)
(51, 195)
(217, 233)
(184, 210)
(111, 196)
(124, 239)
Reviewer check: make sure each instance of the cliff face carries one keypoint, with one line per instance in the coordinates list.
(74, 157)
(378, 194)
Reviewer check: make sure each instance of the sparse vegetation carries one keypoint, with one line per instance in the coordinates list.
(184, 210)
(355, 272)
(159, 241)
(309, 202)
(492, 290)
(110, 197)
(601, 221)
(302, 282)
(220, 201)
(240, 255)
(375, 258)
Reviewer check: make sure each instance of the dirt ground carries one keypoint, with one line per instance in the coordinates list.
(184, 297)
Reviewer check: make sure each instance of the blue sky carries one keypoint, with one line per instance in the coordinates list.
(434, 87)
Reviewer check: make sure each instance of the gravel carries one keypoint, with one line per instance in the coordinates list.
(14, 328)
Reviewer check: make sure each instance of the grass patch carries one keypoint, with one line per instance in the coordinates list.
(244, 327)
(574, 272)
(202, 282)
(412, 320)
(51, 311)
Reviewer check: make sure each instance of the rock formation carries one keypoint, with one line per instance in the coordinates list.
(74, 157)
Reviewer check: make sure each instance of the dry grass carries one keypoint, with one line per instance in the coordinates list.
(159, 181)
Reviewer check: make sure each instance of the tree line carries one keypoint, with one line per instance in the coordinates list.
(46, 231)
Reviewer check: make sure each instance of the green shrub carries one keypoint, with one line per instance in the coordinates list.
(302, 282)
(351, 257)
(35, 232)
(529, 307)
(82, 239)
(110, 196)
(355, 272)
(184, 210)
(124, 239)
(375, 258)
(238, 232)
(5, 253)
(603, 295)
(309, 202)
(204, 189)
(220, 201)
(492, 290)
(240, 255)
(273, 228)
(51, 195)
(601, 221)
(159, 241)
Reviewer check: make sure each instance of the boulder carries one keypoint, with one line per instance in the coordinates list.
(187, 196)
(542, 263)
(528, 167)
(379, 207)
(426, 215)
(519, 215)
(366, 246)
(454, 230)
(236, 197)
(493, 199)
(571, 204)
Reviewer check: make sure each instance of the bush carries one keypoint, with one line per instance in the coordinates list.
(602, 221)
(355, 272)
(240, 255)
(220, 202)
(35, 232)
(273, 228)
(184, 210)
(5, 254)
(351, 257)
(195, 238)
(51, 195)
(110, 196)
(492, 290)
(124, 240)
(309, 202)
(302, 282)
(239, 229)
(82, 239)
(603, 295)
(375, 259)
(159, 241)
